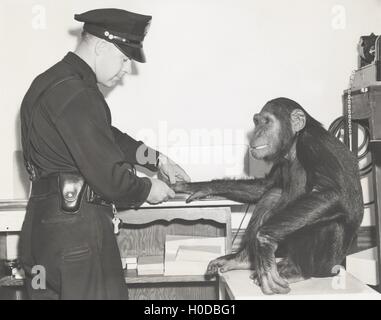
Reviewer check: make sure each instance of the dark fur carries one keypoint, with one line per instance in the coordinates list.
(310, 207)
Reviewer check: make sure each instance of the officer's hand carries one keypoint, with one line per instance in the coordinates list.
(160, 192)
(171, 172)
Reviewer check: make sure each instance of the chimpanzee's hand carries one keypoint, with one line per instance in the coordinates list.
(222, 264)
(202, 194)
(266, 274)
(228, 262)
(197, 190)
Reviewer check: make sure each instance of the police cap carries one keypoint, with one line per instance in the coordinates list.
(123, 28)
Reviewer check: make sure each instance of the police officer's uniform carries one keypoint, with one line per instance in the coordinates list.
(67, 136)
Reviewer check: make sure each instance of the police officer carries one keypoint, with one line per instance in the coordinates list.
(82, 167)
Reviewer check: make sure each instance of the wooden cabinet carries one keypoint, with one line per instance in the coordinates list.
(144, 231)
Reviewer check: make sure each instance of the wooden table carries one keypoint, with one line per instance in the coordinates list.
(237, 285)
(144, 233)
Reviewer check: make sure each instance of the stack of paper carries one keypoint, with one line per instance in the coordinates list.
(197, 253)
(190, 255)
(150, 265)
(130, 262)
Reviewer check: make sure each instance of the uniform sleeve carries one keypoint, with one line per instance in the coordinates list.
(85, 130)
(132, 149)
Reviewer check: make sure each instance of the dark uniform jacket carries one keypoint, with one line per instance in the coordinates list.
(72, 132)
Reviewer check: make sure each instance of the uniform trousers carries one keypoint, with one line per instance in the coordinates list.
(69, 255)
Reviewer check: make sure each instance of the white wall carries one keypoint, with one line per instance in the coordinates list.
(211, 65)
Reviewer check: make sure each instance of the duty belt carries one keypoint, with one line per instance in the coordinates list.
(71, 188)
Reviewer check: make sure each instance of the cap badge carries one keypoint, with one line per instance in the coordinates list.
(114, 37)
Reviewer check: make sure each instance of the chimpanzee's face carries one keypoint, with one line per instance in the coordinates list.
(275, 130)
(266, 139)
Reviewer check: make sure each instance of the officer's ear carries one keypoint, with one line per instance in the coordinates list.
(100, 47)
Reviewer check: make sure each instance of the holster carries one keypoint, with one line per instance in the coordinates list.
(71, 188)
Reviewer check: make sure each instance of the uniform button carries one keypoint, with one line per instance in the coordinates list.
(107, 33)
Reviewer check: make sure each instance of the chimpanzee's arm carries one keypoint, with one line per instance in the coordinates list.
(314, 207)
(245, 190)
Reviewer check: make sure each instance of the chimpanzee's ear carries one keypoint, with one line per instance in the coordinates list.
(298, 120)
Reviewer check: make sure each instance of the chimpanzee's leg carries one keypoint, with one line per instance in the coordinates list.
(287, 269)
(314, 251)
(240, 260)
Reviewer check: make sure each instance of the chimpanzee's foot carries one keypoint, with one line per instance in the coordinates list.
(286, 272)
(289, 271)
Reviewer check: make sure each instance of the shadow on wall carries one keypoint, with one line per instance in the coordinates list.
(21, 182)
(77, 33)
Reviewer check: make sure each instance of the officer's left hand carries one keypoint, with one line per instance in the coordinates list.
(170, 171)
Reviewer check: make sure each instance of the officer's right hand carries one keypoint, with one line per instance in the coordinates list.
(160, 192)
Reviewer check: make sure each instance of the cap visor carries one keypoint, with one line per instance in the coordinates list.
(136, 54)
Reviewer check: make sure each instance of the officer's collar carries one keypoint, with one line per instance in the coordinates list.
(81, 67)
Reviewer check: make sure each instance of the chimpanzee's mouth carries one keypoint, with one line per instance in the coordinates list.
(259, 147)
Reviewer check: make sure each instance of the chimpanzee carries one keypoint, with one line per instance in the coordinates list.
(308, 208)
